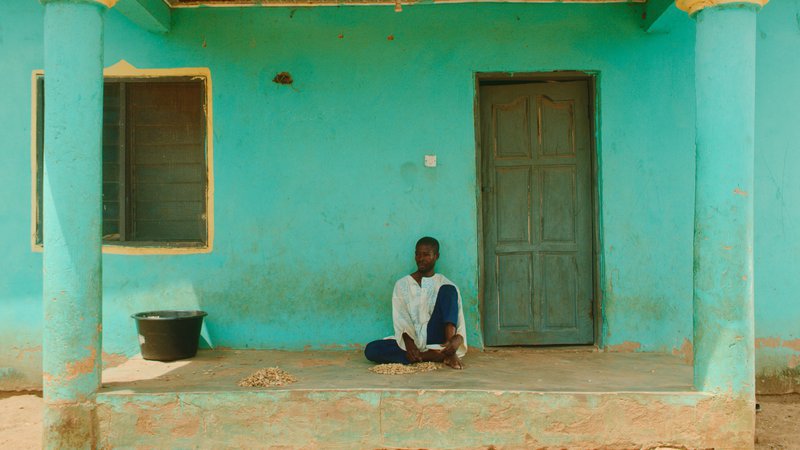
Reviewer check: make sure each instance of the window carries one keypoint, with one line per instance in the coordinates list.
(155, 169)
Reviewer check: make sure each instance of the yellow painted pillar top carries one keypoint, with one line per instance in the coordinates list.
(695, 6)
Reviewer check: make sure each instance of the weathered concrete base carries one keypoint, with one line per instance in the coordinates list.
(69, 425)
(429, 419)
(785, 381)
(12, 379)
(509, 399)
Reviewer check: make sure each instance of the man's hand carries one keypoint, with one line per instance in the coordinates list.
(452, 345)
(412, 351)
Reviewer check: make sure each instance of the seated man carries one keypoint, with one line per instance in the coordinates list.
(427, 314)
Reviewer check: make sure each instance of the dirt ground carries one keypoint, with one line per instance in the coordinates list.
(20, 420)
(777, 424)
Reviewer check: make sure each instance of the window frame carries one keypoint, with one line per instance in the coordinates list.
(124, 72)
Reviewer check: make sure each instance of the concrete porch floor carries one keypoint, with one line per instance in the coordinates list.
(513, 369)
(509, 398)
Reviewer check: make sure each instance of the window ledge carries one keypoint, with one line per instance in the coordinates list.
(149, 248)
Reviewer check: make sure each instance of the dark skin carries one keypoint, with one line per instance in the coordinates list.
(426, 257)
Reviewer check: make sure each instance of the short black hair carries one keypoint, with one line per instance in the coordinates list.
(427, 240)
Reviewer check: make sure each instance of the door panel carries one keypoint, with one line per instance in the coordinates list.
(556, 127)
(514, 275)
(537, 212)
(509, 119)
(557, 207)
(559, 291)
(513, 204)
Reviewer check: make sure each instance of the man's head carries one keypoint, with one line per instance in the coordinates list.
(426, 254)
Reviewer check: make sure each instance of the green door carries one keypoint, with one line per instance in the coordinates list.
(537, 213)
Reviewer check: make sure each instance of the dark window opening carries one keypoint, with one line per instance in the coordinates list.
(154, 162)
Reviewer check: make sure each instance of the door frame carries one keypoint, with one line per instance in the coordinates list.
(591, 77)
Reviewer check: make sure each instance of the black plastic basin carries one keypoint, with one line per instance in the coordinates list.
(169, 335)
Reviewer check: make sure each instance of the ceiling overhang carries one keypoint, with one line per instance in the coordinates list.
(152, 15)
(156, 15)
(239, 3)
(654, 10)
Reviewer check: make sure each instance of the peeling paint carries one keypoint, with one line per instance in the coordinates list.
(145, 424)
(686, 352)
(253, 311)
(82, 366)
(29, 352)
(771, 342)
(626, 346)
(793, 344)
(113, 359)
(776, 342)
(69, 425)
(283, 78)
(186, 426)
(414, 419)
(500, 418)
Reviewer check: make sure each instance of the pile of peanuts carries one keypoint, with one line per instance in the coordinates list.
(272, 376)
(402, 369)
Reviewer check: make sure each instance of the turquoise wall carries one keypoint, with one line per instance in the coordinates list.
(21, 24)
(320, 186)
(777, 197)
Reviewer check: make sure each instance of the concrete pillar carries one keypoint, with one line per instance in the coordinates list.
(723, 228)
(72, 212)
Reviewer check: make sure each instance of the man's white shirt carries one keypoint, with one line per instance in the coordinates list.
(412, 306)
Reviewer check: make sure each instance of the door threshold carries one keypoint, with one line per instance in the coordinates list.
(546, 348)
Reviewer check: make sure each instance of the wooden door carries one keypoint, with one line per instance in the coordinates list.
(537, 213)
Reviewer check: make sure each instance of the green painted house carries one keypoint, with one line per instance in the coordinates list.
(608, 174)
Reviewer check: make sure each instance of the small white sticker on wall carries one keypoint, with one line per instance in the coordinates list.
(430, 160)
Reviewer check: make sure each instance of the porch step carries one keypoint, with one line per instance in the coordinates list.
(337, 403)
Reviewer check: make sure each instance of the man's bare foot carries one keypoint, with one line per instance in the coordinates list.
(453, 361)
(432, 356)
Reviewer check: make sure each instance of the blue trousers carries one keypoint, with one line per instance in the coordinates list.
(445, 311)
